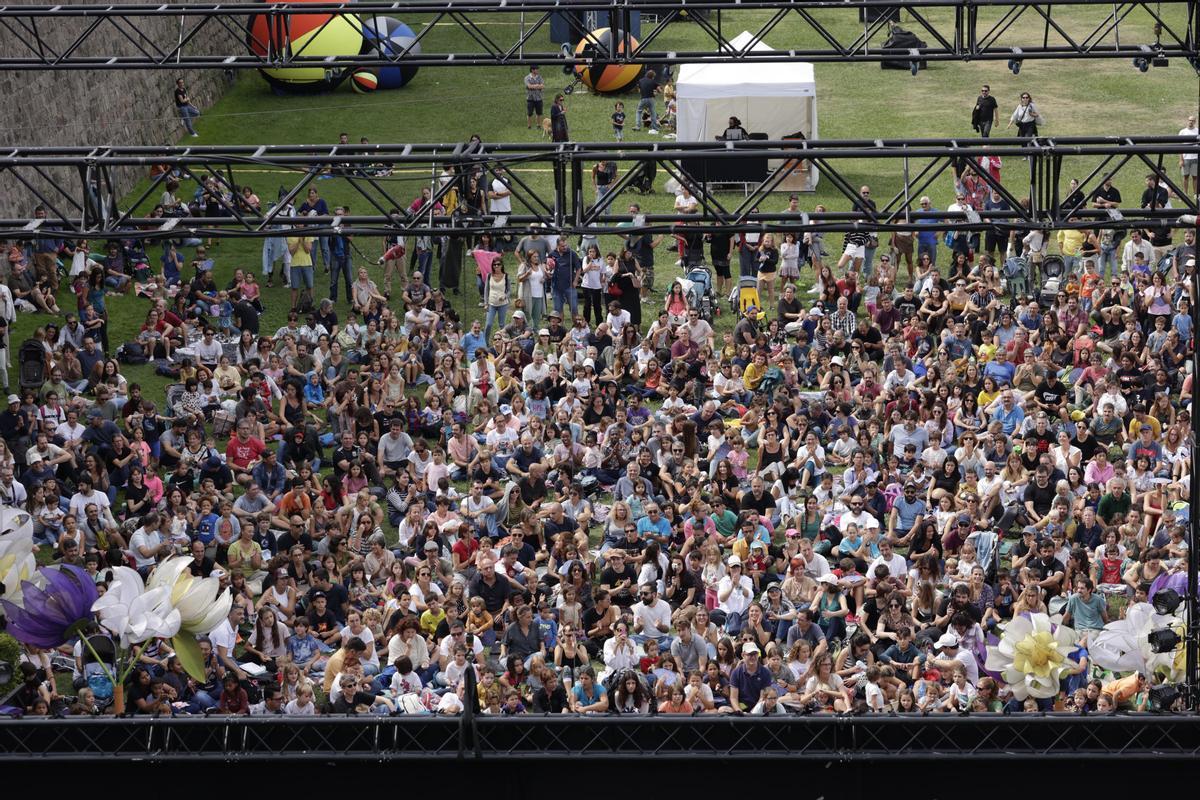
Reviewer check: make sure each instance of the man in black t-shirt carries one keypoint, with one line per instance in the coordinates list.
(647, 88)
(619, 577)
(1107, 196)
(719, 247)
(183, 106)
(1045, 570)
(1039, 495)
(983, 116)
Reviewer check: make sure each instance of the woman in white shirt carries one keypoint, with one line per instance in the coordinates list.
(685, 203)
(592, 283)
(532, 277)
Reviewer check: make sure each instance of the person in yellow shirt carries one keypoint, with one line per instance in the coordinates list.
(755, 371)
(1069, 244)
(432, 616)
(300, 248)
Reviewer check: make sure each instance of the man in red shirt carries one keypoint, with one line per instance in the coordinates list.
(243, 452)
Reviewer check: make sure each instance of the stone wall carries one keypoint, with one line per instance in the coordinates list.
(79, 107)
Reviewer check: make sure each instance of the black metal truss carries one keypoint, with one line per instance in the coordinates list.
(66, 36)
(839, 739)
(82, 198)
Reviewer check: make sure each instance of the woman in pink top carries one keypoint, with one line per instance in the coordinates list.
(1099, 470)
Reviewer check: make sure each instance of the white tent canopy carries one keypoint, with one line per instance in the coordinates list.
(778, 99)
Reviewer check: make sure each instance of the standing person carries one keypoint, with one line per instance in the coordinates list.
(986, 112)
(1190, 162)
(300, 248)
(275, 247)
(339, 246)
(534, 84)
(315, 206)
(497, 298)
(647, 88)
(1026, 116)
(183, 106)
(618, 121)
(499, 199)
(866, 204)
(558, 120)
(567, 267)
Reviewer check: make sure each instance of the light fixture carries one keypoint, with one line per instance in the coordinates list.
(1141, 64)
(914, 67)
(1160, 60)
(1163, 640)
(1163, 696)
(1014, 65)
(1166, 601)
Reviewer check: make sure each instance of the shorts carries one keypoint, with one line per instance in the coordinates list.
(302, 277)
(855, 250)
(722, 268)
(1191, 168)
(532, 106)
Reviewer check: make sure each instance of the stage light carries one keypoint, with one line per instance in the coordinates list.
(1166, 601)
(6, 672)
(1014, 64)
(1164, 696)
(1141, 64)
(1160, 61)
(914, 67)
(1164, 640)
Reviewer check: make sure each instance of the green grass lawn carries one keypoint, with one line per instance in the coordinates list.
(855, 101)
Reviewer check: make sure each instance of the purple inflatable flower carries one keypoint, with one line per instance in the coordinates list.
(51, 616)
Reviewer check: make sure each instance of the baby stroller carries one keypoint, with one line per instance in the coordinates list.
(698, 289)
(644, 182)
(744, 294)
(1016, 276)
(31, 360)
(1054, 277)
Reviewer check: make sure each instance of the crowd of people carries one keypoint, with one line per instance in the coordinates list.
(603, 505)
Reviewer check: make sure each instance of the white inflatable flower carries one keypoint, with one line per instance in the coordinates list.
(1032, 655)
(200, 602)
(1124, 644)
(134, 613)
(17, 561)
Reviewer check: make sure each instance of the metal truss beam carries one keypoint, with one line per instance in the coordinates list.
(984, 737)
(81, 198)
(64, 37)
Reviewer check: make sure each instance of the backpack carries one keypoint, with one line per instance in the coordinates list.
(98, 682)
(132, 353)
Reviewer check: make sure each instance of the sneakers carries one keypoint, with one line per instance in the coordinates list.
(195, 135)
(653, 132)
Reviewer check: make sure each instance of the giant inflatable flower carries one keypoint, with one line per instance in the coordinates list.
(1032, 655)
(17, 561)
(1124, 644)
(200, 602)
(55, 612)
(134, 613)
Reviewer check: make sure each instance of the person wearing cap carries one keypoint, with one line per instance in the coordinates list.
(908, 512)
(735, 592)
(949, 656)
(748, 679)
